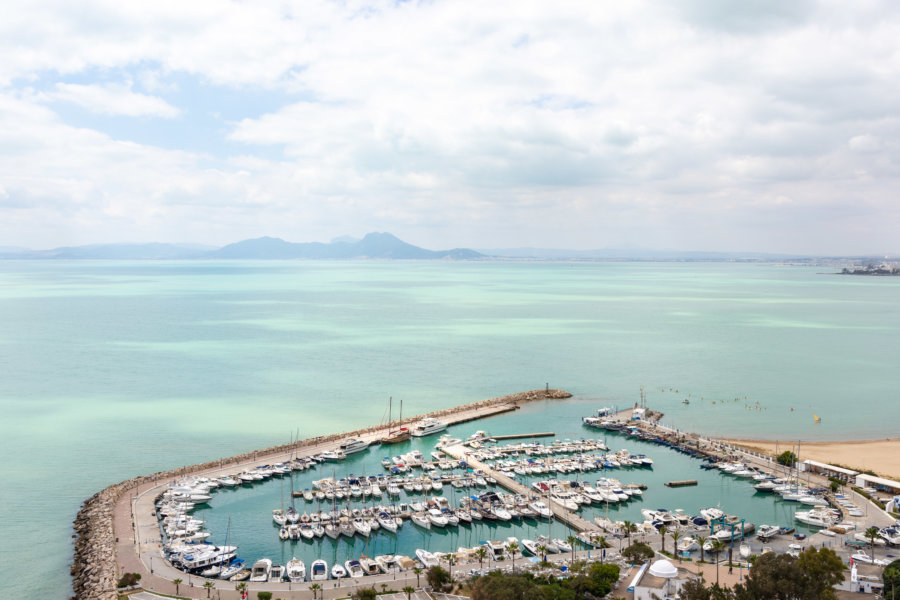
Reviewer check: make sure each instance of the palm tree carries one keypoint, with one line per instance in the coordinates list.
(177, 582)
(481, 554)
(675, 535)
(409, 590)
(543, 550)
(701, 540)
(717, 546)
(383, 588)
(629, 528)
(209, 586)
(313, 588)
(572, 540)
(242, 587)
(418, 572)
(511, 549)
(603, 546)
(872, 533)
(663, 530)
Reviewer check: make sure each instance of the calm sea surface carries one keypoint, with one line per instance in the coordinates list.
(113, 369)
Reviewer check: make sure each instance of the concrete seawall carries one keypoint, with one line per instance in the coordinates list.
(96, 566)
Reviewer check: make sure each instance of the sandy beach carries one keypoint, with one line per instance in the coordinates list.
(881, 456)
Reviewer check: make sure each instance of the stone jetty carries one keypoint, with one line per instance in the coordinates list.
(96, 566)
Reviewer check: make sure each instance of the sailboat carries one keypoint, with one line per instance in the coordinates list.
(398, 435)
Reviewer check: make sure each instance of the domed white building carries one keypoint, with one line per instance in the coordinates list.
(660, 579)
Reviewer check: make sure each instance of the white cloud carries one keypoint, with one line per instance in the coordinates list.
(113, 99)
(477, 124)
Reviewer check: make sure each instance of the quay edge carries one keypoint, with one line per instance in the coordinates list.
(95, 567)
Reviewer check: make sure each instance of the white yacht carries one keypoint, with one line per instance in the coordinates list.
(334, 455)
(428, 426)
(296, 570)
(318, 571)
(338, 571)
(427, 558)
(437, 518)
(352, 445)
(817, 517)
(541, 509)
(276, 573)
(260, 571)
(387, 522)
(354, 568)
(421, 520)
(687, 544)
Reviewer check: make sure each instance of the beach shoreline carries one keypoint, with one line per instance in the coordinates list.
(879, 455)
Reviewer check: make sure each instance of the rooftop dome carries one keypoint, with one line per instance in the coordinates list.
(664, 569)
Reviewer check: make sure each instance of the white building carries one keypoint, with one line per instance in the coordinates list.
(878, 483)
(661, 580)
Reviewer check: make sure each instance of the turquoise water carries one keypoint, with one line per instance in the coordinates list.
(112, 369)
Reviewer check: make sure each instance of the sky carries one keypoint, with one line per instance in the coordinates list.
(765, 126)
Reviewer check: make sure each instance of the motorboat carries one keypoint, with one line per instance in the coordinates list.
(531, 546)
(338, 571)
(296, 570)
(878, 541)
(241, 575)
(276, 573)
(496, 549)
(437, 518)
(863, 557)
(744, 550)
(369, 566)
(562, 545)
(353, 445)
(260, 570)
(428, 426)
(817, 517)
(318, 571)
(388, 563)
(334, 455)
(421, 520)
(427, 558)
(354, 569)
(541, 509)
(687, 544)
(768, 531)
(712, 513)
(386, 521)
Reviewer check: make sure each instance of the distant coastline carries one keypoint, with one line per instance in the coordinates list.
(880, 270)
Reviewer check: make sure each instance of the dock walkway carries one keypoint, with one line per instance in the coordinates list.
(460, 452)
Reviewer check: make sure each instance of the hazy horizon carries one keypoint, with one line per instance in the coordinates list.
(690, 126)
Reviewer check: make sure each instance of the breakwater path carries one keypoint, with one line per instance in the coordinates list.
(117, 531)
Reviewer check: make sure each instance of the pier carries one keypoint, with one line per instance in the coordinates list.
(460, 452)
(517, 436)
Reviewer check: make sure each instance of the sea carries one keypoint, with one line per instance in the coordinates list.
(111, 369)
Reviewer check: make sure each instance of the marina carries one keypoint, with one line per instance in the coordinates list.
(371, 514)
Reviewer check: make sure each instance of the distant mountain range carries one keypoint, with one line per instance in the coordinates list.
(372, 246)
(386, 246)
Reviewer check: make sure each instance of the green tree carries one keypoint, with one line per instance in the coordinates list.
(437, 577)
(177, 581)
(409, 590)
(367, 594)
(891, 578)
(663, 530)
(638, 552)
(675, 537)
(417, 571)
(384, 588)
(696, 589)
(872, 535)
(781, 576)
(264, 595)
(209, 585)
(481, 554)
(542, 550)
(701, 541)
(629, 528)
(787, 458)
(717, 547)
(511, 549)
(573, 541)
(313, 588)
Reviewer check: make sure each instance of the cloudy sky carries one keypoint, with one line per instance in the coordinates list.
(686, 124)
